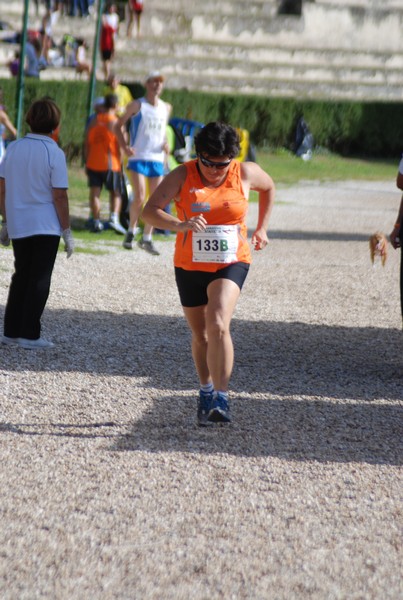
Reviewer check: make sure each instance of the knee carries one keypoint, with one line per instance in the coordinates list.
(200, 339)
(217, 329)
(138, 201)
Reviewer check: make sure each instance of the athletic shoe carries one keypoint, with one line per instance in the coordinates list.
(128, 241)
(9, 341)
(148, 247)
(34, 344)
(117, 226)
(203, 407)
(219, 409)
(97, 227)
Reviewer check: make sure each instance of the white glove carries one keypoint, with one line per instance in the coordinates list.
(4, 239)
(68, 242)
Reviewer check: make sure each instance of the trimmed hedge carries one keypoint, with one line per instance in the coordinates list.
(372, 129)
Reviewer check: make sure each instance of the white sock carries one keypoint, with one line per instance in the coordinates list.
(207, 387)
(147, 237)
(224, 394)
(114, 217)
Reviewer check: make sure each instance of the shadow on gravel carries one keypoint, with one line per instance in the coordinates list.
(298, 391)
(298, 430)
(321, 236)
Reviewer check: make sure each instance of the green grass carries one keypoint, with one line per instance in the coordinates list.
(286, 169)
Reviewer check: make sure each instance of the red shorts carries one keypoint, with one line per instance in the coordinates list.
(137, 7)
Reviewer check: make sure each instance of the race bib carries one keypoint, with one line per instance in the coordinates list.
(217, 244)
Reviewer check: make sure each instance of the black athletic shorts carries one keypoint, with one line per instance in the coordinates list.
(192, 285)
(106, 54)
(112, 180)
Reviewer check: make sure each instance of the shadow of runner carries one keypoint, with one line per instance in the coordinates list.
(299, 430)
(279, 358)
(299, 391)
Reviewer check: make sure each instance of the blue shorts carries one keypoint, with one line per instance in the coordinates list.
(148, 168)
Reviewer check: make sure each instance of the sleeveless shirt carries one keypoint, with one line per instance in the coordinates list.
(147, 131)
(223, 205)
(103, 146)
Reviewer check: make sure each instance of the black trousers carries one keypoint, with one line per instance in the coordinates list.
(401, 274)
(34, 259)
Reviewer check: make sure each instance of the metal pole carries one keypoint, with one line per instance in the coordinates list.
(91, 89)
(21, 75)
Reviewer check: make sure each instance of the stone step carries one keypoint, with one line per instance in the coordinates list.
(280, 88)
(265, 55)
(130, 51)
(243, 47)
(264, 63)
(323, 24)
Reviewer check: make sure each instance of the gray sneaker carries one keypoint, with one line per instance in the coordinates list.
(128, 242)
(117, 226)
(34, 344)
(97, 227)
(148, 247)
(9, 341)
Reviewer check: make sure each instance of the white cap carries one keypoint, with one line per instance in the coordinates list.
(155, 75)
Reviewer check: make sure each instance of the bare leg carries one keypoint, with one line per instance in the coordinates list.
(222, 298)
(196, 318)
(139, 192)
(153, 183)
(212, 347)
(130, 20)
(95, 202)
(115, 202)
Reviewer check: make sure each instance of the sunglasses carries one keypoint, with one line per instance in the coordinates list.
(213, 165)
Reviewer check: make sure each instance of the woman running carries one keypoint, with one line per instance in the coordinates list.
(212, 254)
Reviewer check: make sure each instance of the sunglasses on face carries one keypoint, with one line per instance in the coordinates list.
(213, 165)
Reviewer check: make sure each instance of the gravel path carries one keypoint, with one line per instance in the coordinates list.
(110, 491)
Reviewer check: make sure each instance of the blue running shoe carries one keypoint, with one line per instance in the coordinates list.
(203, 407)
(219, 409)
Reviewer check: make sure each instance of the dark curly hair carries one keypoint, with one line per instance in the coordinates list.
(217, 139)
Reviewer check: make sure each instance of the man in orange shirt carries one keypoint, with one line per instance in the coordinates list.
(103, 143)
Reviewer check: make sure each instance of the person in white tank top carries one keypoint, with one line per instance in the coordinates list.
(148, 118)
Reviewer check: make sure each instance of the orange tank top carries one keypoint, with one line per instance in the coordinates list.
(221, 206)
(103, 146)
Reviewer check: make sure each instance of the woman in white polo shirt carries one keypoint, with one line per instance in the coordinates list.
(35, 210)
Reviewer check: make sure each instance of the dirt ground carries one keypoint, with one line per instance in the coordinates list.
(109, 490)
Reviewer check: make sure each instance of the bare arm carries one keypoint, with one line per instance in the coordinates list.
(131, 109)
(254, 178)
(168, 189)
(394, 236)
(61, 202)
(166, 145)
(6, 121)
(117, 130)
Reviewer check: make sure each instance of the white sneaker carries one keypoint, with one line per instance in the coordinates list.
(9, 341)
(34, 344)
(117, 226)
